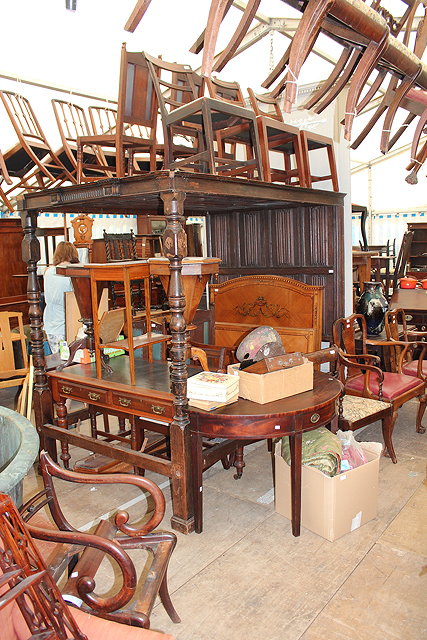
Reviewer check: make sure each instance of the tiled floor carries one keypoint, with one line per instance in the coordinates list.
(246, 577)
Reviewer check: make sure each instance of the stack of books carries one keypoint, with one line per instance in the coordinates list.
(209, 390)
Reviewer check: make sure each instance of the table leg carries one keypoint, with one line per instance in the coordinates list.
(61, 410)
(197, 479)
(295, 444)
(182, 503)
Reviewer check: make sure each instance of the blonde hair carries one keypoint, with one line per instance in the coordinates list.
(65, 252)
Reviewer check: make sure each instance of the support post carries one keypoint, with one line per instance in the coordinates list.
(175, 248)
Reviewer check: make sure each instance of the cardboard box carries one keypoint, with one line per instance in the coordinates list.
(331, 507)
(267, 387)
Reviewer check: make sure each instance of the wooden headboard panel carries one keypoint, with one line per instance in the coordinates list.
(293, 308)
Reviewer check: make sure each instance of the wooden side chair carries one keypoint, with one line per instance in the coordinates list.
(137, 106)
(72, 124)
(276, 136)
(121, 247)
(232, 136)
(362, 377)
(31, 159)
(402, 361)
(130, 600)
(14, 366)
(353, 412)
(402, 258)
(310, 144)
(181, 105)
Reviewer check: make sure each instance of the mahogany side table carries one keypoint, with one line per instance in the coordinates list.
(245, 420)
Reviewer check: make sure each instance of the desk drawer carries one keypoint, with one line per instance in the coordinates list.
(87, 394)
(152, 406)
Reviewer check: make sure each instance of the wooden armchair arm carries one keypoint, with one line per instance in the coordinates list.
(219, 356)
(419, 334)
(322, 356)
(347, 360)
(362, 356)
(85, 584)
(51, 470)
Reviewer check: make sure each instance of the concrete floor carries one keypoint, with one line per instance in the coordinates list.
(246, 577)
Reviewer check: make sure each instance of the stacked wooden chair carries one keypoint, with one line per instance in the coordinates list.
(72, 124)
(137, 106)
(202, 118)
(31, 160)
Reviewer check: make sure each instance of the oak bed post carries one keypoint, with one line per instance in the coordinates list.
(175, 248)
(42, 398)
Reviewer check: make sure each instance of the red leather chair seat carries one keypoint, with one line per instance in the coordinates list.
(394, 384)
(411, 368)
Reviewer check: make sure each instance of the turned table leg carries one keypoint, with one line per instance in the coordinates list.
(61, 411)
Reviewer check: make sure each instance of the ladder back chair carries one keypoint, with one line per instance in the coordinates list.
(121, 247)
(72, 124)
(181, 105)
(32, 158)
(276, 136)
(104, 122)
(362, 377)
(137, 106)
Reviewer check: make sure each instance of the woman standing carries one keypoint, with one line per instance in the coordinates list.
(55, 287)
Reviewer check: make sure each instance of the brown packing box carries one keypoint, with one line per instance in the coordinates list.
(331, 507)
(267, 387)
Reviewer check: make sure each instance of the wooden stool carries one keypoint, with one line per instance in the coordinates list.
(310, 142)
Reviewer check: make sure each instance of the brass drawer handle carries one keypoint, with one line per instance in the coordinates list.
(66, 389)
(124, 402)
(315, 418)
(155, 408)
(93, 396)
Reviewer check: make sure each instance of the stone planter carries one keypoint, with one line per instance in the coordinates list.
(19, 446)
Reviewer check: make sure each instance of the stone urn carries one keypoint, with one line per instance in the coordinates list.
(373, 306)
(19, 447)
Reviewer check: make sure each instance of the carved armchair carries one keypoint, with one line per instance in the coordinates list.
(30, 601)
(81, 554)
(362, 377)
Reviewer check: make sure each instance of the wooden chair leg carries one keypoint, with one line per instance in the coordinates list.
(166, 600)
(387, 428)
(420, 413)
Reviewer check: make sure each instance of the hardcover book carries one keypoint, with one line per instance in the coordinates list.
(209, 385)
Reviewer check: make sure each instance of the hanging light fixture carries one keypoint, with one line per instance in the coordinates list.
(71, 5)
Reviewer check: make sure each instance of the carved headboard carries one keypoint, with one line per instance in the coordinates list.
(293, 308)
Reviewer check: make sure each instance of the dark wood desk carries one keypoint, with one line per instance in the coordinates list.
(151, 399)
(414, 302)
(237, 212)
(249, 420)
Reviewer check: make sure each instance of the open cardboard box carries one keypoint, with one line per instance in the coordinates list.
(331, 507)
(267, 387)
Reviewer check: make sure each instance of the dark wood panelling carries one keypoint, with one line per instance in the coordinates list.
(303, 242)
(13, 271)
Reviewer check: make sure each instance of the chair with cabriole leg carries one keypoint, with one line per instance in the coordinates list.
(362, 377)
